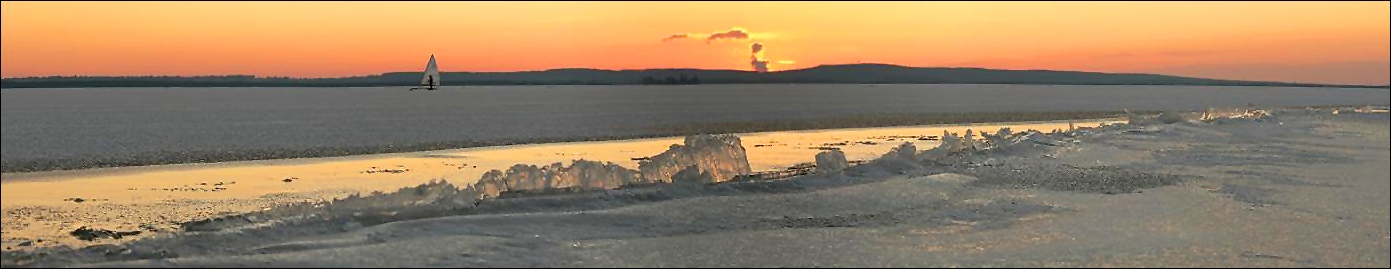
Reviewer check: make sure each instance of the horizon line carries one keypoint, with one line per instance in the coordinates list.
(603, 69)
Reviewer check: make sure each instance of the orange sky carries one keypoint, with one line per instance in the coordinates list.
(1244, 40)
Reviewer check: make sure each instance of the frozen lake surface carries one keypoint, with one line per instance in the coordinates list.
(76, 128)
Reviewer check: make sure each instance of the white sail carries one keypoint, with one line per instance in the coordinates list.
(432, 74)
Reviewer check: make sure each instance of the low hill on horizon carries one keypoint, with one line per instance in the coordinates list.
(824, 74)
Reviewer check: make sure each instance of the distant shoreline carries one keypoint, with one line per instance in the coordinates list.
(711, 84)
(826, 74)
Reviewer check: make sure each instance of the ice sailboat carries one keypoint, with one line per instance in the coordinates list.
(431, 81)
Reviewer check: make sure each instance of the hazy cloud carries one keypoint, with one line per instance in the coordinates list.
(1117, 55)
(1189, 53)
(735, 33)
(675, 37)
(731, 34)
(1162, 54)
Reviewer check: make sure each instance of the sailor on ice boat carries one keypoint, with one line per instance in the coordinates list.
(431, 81)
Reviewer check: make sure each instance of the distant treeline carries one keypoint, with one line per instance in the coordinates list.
(682, 80)
(831, 74)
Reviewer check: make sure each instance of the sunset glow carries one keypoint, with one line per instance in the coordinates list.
(1325, 42)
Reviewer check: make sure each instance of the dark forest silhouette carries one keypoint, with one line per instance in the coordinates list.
(828, 74)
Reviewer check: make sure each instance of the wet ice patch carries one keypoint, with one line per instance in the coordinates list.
(1247, 194)
(1096, 180)
(987, 216)
(1237, 155)
(1279, 179)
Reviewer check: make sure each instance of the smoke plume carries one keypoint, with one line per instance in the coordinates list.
(756, 58)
